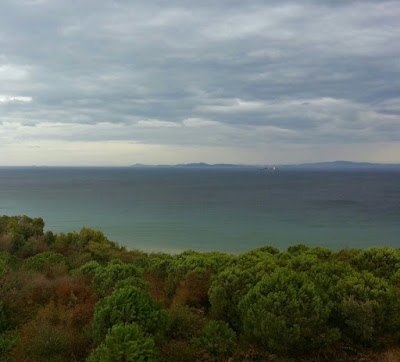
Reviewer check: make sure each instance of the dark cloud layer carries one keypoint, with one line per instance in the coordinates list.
(232, 74)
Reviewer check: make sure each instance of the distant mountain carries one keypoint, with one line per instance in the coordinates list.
(334, 165)
(215, 165)
(196, 165)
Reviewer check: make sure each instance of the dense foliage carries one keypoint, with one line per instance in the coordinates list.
(78, 296)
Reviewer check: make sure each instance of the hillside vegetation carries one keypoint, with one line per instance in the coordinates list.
(80, 297)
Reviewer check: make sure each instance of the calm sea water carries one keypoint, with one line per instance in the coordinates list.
(228, 210)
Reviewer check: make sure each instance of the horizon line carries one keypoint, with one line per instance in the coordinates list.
(205, 164)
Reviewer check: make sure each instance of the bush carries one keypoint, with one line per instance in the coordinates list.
(125, 342)
(217, 338)
(23, 225)
(129, 305)
(17, 230)
(105, 278)
(191, 261)
(286, 312)
(132, 282)
(44, 261)
(89, 269)
(7, 343)
(382, 262)
(7, 262)
(364, 308)
(226, 291)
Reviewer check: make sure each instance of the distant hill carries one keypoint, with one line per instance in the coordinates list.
(334, 165)
(196, 165)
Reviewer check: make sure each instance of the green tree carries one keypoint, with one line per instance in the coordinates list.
(364, 308)
(217, 338)
(23, 225)
(227, 290)
(192, 261)
(125, 342)
(327, 275)
(88, 269)
(382, 262)
(264, 258)
(132, 282)
(286, 312)
(43, 261)
(105, 278)
(129, 305)
(19, 229)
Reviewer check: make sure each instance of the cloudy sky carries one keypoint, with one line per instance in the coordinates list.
(118, 82)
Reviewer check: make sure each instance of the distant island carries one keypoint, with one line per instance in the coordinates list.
(331, 165)
(197, 165)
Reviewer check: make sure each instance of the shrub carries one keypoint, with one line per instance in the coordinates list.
(132, 282)
(129, 305)
(17, 230)
(364, 308)
(105, 278)
(382, 262)
(7, 343)
(125, 342)
(44, 261)
(7, 262)
(89, 269)
(286, 312)
(217, 338)
(226, 291)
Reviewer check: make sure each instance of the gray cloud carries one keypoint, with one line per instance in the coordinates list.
(231, 74)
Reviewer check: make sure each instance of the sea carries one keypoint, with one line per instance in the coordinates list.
(211, 209)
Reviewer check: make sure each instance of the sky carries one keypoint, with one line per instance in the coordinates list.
(103, 82)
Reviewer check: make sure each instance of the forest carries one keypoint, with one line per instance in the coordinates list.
(78, 296)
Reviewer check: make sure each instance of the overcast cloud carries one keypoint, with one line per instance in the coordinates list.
(107, 82)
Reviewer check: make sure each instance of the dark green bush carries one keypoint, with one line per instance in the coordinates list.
(286, 312)
(89, 269)
(382, 262)
(129, 305)
(125, 342)
(43, 261)
(217, 339)
(104, 278)
(226, 291)
(364, 307)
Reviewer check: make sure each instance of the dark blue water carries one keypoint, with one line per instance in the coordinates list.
(229, 210)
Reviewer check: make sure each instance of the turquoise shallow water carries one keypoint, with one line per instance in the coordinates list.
(230, 210)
